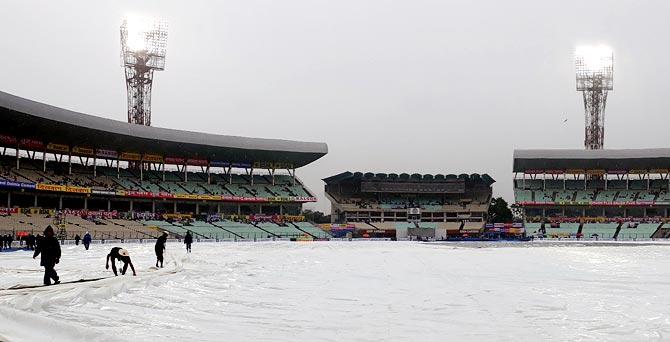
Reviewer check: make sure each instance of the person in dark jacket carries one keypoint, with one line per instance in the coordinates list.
(49, 247)
(188, 240)
(29, 241)
(118, 253)
(76, 239)
(160, 248)
(87, 240)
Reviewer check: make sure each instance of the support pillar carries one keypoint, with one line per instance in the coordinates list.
(131, 206)
(35, 201)
(9, 200)
(153, 206)
(85, 203)
(109, 205)
(60, 202)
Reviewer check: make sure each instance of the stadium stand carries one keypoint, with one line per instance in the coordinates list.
(54, 160)
(602, 194)
(403, 206)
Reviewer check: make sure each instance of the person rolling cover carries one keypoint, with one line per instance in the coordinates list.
(118, 253)
(49, 248)
(159, 248)
(188, 240)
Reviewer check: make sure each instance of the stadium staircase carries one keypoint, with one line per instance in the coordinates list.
(302, 230)
(661, 233)
(182, 187)
(267, 231)
(371, 225)
(207, 191)
(579, 230)
(227, 231)
(618, 230)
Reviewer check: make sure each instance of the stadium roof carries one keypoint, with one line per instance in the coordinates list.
(26, 119)
(608, 160)
(404, 177)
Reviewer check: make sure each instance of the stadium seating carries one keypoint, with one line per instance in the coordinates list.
(534, 184)
(616, 184)
(553, 184)
(605, 196)
(544, 196)
(572, 184)
(599, 230)
(152, 181)
(626, 196)
(565, 230)
(596, 184)
(645, 196)
(284, 230)
(523, 195)
(312, 230)
(532, 228)
(637, 184)
(663, 196)
(585, 196)
(642, 231)
(101, 229)
(658, 184)
(565, 196)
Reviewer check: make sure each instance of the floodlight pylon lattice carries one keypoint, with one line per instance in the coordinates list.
(143, 50)
(595, 78)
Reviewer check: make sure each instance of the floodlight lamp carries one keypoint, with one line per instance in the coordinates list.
(137, 28)
(144, 39)
(594, 59)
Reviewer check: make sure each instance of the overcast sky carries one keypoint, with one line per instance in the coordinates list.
(392, 86)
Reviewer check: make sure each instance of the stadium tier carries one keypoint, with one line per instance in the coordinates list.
(614, 194)
(56, 159)
(406, 206)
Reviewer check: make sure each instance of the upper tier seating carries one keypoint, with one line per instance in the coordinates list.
(111, 178)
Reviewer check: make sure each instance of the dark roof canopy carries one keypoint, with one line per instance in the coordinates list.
(26, 119)
(608, 160)
(358, 176)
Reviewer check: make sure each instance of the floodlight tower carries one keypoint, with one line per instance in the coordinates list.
(143, 49)
(595, 77)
